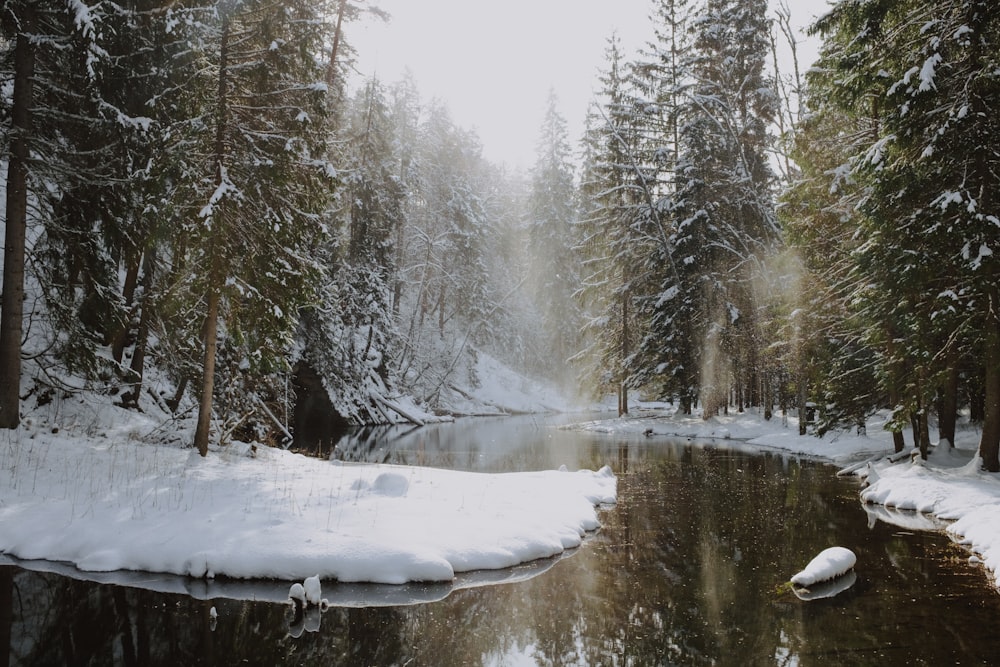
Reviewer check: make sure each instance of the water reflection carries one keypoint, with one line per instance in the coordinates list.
(690, 568)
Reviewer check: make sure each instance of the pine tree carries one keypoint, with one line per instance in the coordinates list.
(662, 77)
(929, 183)
(71, 138)
(257, 184)
(348, 345)
(611, 187)
(724, 217)
(551, 218)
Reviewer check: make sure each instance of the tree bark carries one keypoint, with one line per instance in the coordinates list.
(989, 443)
(948, 405)
(120, 336)
(137, 367)
(208, 376)
(331, 72)
(801, 400)
(623, 385)
(214, 277)
(12, 304)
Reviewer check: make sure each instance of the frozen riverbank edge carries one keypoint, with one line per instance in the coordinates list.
(949, 491)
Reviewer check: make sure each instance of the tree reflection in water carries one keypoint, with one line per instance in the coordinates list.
(689, 569)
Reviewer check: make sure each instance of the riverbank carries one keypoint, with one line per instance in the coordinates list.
(103, 488)
(106, 489)
(949, 491)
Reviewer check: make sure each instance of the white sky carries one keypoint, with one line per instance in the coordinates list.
(494, 63)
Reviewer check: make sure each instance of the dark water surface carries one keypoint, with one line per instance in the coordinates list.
(688, 569)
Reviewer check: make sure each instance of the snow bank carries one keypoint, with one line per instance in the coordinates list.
(245, 512)
(745, 429)
(950, 486)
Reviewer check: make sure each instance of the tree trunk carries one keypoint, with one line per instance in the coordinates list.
(137, 366)
(331, 71)
(440, 309)
(948, 404)
(898, 441)
(175, 402)
(989, 443)
(6, 613)
(208, 376)
(801, 398)
(12, 305)
(215, 279)
(924, 441)
(120, 336)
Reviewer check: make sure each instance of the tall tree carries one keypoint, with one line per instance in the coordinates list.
(20, 25)
(260, 183)
(724, 213)
(662, 78)
(551, 219)
(927, 191)
(611, 187)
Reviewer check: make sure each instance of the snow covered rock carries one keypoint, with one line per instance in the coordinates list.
(829, 564)
(297, 594)
(307, 594)
(313, 590)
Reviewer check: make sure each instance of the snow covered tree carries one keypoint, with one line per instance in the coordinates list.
(74, 133)
(928, 177)
(724, 215)
(608, 255)
(553, 272)
(348, 332)
(258, 183)
(830, 362)
(661, 78)
(444, 255)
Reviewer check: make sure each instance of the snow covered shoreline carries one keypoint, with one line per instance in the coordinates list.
(110, 501)
(113, 495)
(948, 492)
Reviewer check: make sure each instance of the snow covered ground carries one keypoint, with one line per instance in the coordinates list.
(949, 491)
(109, 490)
(103, 494)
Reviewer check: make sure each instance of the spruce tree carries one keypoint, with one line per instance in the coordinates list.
(724, 214)
(608, 253)
(551, 220)
(927, 177)
(257, 184)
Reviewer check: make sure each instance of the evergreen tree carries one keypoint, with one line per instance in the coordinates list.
(348, 344)
(258, 184)
(662, 78)
(929, 185)
(551, 218)
(71, 134)
(444, 257)
(724, 217)
(608, 254)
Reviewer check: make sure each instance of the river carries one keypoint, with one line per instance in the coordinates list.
(688, 569)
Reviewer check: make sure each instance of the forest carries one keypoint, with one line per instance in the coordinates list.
(202, 213)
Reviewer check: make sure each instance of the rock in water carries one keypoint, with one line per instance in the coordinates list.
(826, 589)
(830, 563)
